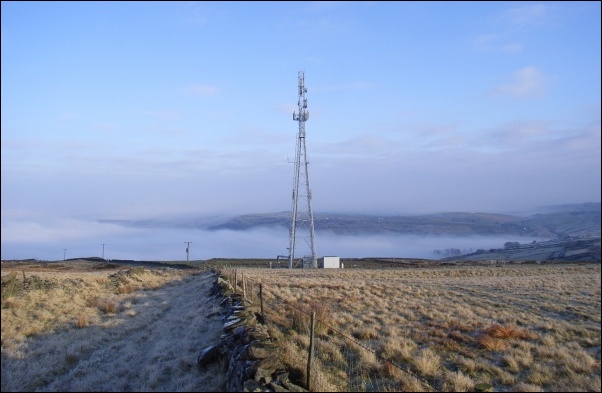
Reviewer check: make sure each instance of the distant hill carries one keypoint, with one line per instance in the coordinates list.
(553, 222)
(565, 250)
(549, 222)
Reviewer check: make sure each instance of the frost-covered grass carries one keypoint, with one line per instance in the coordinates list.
(133, 330)
(518, 328)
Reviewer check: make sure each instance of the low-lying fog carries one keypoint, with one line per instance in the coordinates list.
(66, 238)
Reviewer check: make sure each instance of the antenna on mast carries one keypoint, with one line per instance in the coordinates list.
(302, 218)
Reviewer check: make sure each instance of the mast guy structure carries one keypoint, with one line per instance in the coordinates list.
(302, 218)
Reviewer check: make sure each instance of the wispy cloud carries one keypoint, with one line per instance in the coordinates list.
(194, 13)
(527, 82)
(585, 146)
(514, 136)
(496, 43)
(52, 230)
(359, 147)
(510, 27)
(432, 137)
(48, 147)
(544, 140)
(255, 136)
(532, 14)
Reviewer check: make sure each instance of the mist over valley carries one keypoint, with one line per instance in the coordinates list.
(430, 236)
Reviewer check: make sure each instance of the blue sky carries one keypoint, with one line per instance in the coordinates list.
(143, 109)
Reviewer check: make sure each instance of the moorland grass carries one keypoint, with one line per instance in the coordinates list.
(80, 331)
(515, 327)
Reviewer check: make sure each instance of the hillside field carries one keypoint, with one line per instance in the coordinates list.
(96, 326)
(512, 328)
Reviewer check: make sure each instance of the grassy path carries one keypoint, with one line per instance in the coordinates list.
(151, 345)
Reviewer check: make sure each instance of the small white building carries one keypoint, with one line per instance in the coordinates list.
(329, 262)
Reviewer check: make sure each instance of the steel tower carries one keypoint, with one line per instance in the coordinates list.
(302, 218)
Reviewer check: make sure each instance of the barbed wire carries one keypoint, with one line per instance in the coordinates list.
(426, 384)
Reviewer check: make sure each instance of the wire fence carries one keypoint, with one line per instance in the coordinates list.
(320, 356)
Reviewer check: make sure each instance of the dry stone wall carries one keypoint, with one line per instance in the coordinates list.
(250, 357)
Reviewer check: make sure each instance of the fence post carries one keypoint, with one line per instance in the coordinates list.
(235, 280)
(244, 286)
(311, 348)
(261, 302)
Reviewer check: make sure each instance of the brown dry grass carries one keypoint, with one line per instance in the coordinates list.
(35, 303)
(115, 329)
(492, 343)
(82, 321)
(510, 331)
(533, 327)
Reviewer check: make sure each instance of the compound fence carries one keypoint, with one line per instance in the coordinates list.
(318, 355)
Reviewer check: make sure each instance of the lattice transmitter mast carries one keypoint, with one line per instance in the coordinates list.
(302, 218)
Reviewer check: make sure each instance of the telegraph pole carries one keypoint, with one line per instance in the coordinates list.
(187, 250)
(64, 254)
(301, 217)
(103, 250)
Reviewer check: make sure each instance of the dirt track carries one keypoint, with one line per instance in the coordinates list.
(152, 347)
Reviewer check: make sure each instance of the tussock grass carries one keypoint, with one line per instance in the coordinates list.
(105, 304)
(458, 382)
(535, 327)
(82, 321)
(365, 333)
(492, 343)
(76, 331)
(509, 331)
(47, 300)
(12, 302)
(123, 289)
(525, 387)
(428, 362)
(323, 313)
